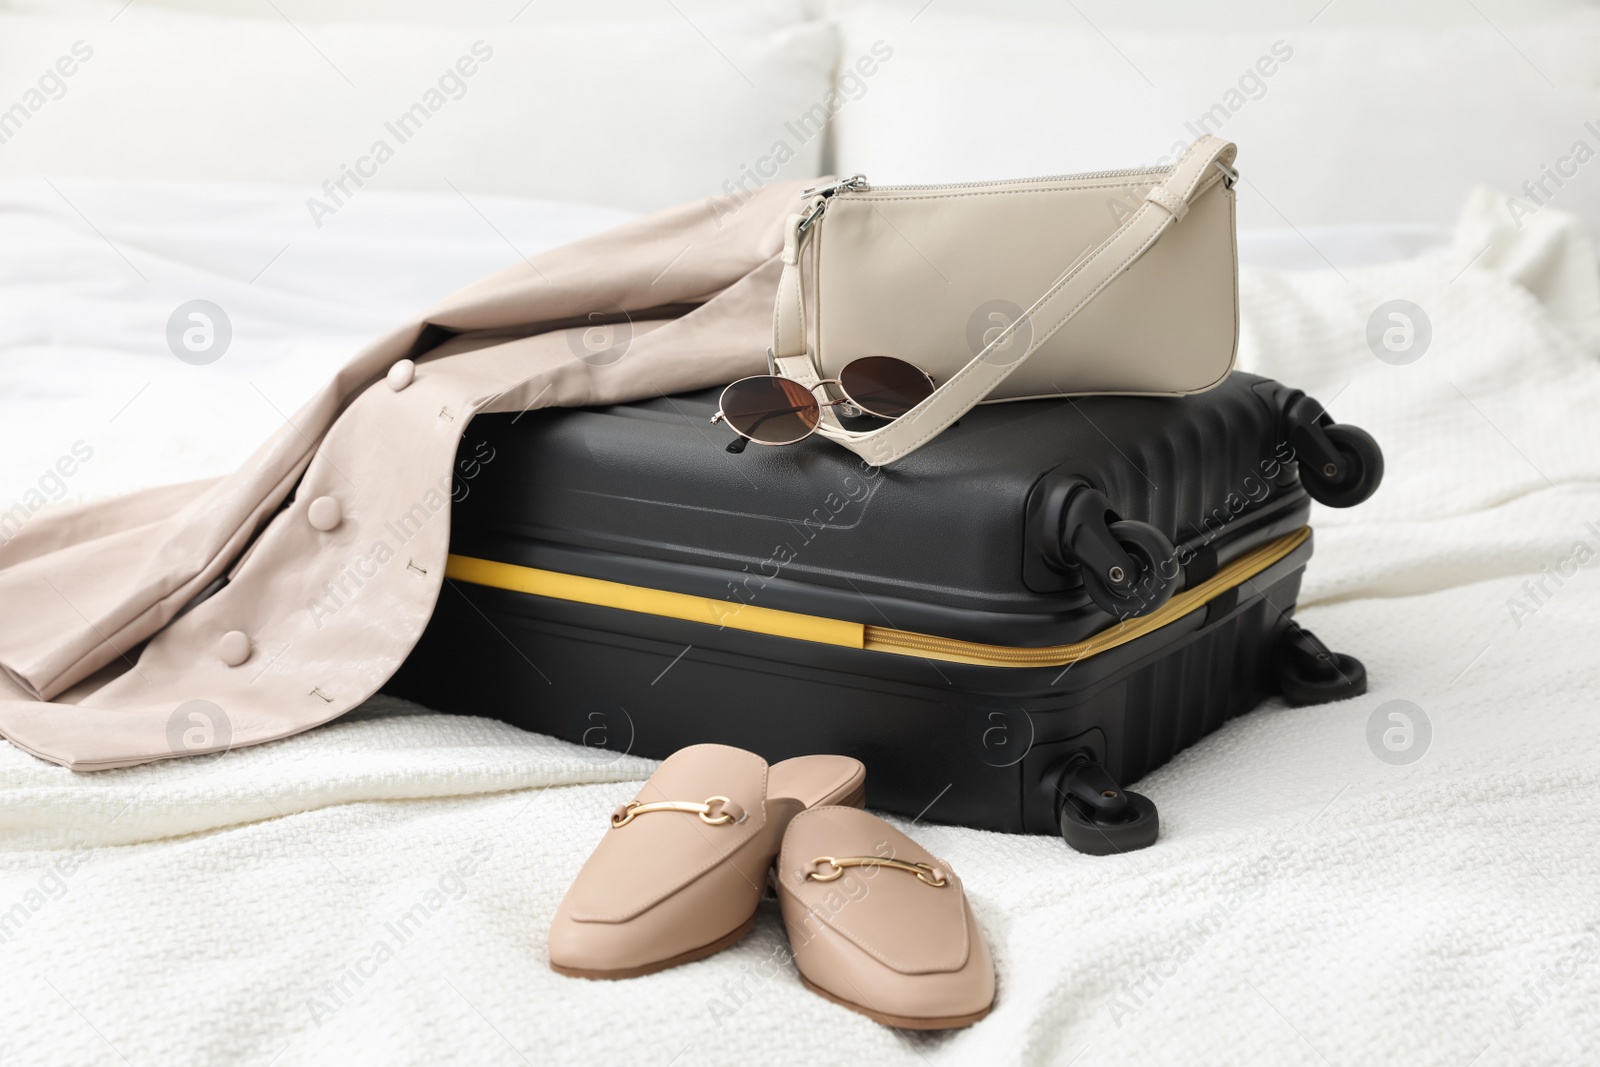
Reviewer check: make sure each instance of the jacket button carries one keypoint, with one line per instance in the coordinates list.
(325, 513)
(401, 374)
(234, 648)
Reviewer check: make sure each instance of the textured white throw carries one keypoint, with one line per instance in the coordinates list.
(378, 890)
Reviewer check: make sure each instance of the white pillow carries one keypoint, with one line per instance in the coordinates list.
(1333, 126)
(635, 116)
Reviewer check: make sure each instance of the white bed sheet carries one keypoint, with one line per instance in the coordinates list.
(1307, 903)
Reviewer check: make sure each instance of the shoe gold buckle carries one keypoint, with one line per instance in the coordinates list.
(926, 873)
(716, 811)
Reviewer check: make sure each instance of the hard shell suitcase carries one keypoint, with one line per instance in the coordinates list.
(1043, 604)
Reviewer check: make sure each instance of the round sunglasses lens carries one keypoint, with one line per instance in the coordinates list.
(885, 386)
(769, 410)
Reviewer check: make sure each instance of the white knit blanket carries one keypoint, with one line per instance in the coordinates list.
(379, 890)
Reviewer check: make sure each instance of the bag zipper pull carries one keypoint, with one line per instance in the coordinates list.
(824, 193)
(854, 183)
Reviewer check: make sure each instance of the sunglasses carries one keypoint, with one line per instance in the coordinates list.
(771, 410)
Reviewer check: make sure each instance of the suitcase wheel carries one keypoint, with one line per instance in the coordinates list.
(1100, 818)
(1340, 465)
(1310, 673)
(1353, 477)
(1121, 560)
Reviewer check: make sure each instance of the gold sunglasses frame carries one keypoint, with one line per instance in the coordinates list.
(830, 403)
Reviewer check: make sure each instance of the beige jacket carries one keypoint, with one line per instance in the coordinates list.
(332, 538)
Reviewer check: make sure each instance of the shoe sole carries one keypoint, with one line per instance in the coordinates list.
(900, 1022)
(660, 965)
(856, 798)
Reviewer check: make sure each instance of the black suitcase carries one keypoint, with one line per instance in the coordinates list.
(1044, 603)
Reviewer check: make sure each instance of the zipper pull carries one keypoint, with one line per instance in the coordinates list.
(854, 183)
(824, 193)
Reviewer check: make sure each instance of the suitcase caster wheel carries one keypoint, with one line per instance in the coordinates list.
(1309, 673)
(1340, 465)
(1100, 818)
(1120, 560)
(1127, 568)
(1132, 594)
(1353, 477)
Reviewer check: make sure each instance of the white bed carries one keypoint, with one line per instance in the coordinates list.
(1308, 901)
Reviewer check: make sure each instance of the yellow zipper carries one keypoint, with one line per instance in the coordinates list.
(1241, 570)
(772, 621)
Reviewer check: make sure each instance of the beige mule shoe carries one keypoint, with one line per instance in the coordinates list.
(679, 873)
(879, 925)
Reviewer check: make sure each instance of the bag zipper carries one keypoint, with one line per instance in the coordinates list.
(858, 183)
(1130, 172)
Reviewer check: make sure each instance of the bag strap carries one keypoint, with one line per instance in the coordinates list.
(1163, 205)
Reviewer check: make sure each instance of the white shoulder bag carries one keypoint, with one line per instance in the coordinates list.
(1116, 282)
